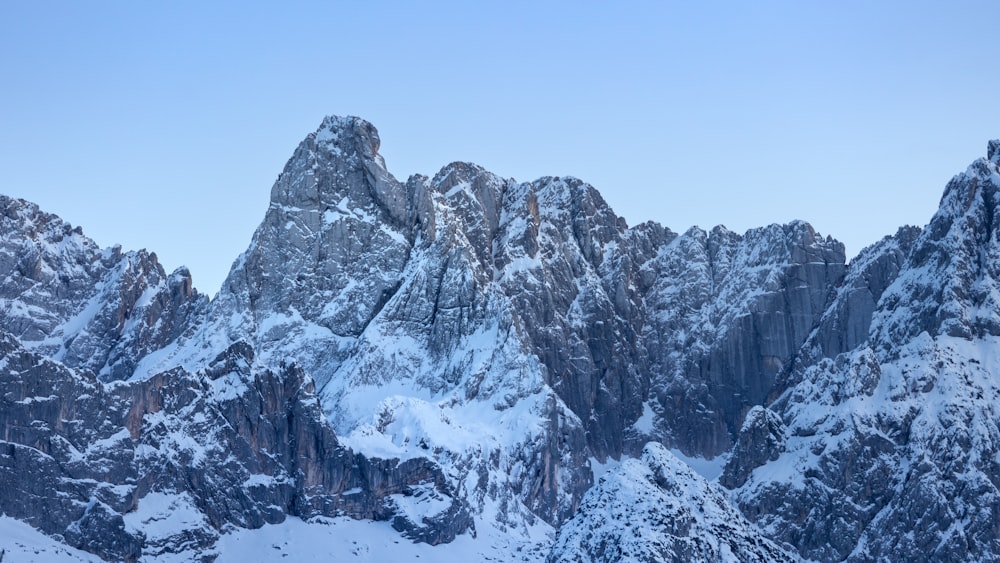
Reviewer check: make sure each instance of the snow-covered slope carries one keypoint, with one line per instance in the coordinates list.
(21, 542)
(657, 509)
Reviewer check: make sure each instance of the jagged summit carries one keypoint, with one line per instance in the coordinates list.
(347, 134)
(952, 284)
(339, 165)
(87, 307)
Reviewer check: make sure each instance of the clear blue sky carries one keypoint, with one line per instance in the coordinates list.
(163, 124)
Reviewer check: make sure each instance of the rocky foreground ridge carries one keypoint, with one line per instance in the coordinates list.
(463, 356)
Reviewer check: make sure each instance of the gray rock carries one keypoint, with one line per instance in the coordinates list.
(500, 335)
(726, 315)
(846, 324)
(761, 439)
(610, 322)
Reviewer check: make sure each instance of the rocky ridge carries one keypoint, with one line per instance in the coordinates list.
(88, 308)
(232, 445)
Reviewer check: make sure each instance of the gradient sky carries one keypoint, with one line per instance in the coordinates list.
(163, 124)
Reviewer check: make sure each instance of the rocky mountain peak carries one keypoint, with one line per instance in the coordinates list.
(485, 188)
(993, 150)
(954, 266)
(338, 167)
(905, 383)
(352, 134)
(88, 308)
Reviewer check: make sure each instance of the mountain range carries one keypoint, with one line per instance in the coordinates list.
(471, 366)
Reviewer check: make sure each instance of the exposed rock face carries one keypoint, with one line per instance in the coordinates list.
(845, 324)
(370, 283)
(726, 314)
(43, 474)
(329, 253)
(657, 509)
(952, 267)
(443, 287)
(762, 439)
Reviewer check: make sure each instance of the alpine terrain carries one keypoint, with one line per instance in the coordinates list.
(467, 367)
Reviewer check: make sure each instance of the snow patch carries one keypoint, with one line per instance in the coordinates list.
(21, 542)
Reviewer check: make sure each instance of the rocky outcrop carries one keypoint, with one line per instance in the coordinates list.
(846, 323)
(44, 475)
(726, 315)
(761, 439)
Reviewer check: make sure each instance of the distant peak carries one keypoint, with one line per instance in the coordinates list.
(993, 150)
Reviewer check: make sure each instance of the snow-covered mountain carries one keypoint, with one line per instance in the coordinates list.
(451, 360)
(890, 449)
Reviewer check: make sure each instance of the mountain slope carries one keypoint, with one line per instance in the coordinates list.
(229, 445)
(100, 310)
(897, 438)
(413, 305)
(657, 509)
